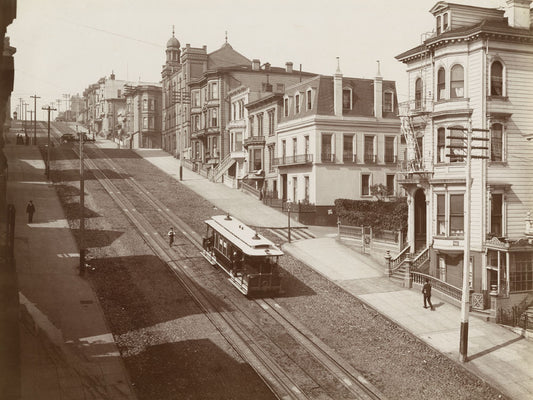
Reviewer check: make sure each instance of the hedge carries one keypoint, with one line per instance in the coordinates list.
(389, 215)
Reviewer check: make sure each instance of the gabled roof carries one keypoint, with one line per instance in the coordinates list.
(226, 57)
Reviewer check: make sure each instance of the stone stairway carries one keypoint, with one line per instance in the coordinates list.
(296, 233)
(398, 274)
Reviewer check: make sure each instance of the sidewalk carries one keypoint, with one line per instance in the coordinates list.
(67, 350)
(496, 354)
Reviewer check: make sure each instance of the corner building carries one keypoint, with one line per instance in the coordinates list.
(475, 68)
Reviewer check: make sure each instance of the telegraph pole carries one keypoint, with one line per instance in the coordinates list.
(49, 109)
(35, 97)
(465, 298)
(82, 208)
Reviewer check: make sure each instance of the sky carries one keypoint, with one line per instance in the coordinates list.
(64, 46)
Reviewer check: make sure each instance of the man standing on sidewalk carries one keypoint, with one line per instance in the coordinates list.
(426, 290)
(30, 209)
(171, 236)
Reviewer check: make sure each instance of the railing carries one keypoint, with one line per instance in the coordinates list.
(328, 157)
(395, 262)
(391, 159)
(222, 167)
(438, 285)
(254, 140)
(370, 158)
(349, 158)
(351, 231)
(250, 189)
(293, 160)
(421, 258)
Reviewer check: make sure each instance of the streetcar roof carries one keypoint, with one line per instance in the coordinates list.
(244, 237)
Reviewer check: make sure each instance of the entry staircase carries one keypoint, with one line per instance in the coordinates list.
(398, 265)
(222, 167)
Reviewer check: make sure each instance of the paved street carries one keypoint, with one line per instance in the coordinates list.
(496, 354)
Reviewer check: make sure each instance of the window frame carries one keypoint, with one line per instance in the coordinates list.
(501, 139)
(350, 94)
(441, 146)
(457, 83)
(419, 90)
(441, 84)
(500, 79)
(388, 106)
(366, 189)
(493, 215)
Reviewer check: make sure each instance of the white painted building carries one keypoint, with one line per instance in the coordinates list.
(476, 66)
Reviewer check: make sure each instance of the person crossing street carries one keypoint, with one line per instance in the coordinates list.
(171, 235)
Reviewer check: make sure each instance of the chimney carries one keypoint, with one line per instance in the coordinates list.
(267, 66)
(256, 64)
(288, 66)
(337, 91)
(378, 94)
(518, 13)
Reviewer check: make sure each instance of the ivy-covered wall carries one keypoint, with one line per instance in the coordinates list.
(389, 215)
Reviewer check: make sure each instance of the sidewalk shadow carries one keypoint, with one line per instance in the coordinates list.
(437, 305)
(494, 348)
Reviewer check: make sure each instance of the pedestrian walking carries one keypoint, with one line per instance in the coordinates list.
(426, 290)
(30, 209)
(171, 235)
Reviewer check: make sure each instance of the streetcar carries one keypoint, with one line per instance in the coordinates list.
(249, 259)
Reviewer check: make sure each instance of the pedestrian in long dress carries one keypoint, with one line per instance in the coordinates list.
(426, 290)
(171, 235)
(30, 210)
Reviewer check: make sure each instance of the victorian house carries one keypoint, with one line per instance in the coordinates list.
(141, 124)
(474, 71)
(105, 102)
(198, 105)
(337, 136)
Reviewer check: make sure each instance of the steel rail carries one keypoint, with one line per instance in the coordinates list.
(339, 368)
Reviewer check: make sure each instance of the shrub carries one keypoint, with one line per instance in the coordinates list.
(389, 215)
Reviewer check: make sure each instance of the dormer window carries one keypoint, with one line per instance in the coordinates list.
(308, 99)
(445, 22)
(286, 106)
(442, 23)
(388, 102)
(297, 103)
(347, 99)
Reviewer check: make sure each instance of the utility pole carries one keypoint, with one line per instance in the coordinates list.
(35, 97)
(82, 208)
(47, 172)
(289, 220)
(465, 298)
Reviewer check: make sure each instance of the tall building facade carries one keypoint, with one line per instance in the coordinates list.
(105, 102)
(141, 124)
(474, 70)
(197, 106)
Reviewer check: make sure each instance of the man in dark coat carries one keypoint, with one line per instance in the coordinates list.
(426, 290)
(171, 234)
(30, 209)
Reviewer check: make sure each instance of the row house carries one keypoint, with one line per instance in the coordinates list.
(337, 136)
(251, 124)
(141, 124)
(104, 102)
(474, 70)
(197, 106)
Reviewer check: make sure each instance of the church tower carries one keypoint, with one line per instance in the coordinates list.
(173, 55)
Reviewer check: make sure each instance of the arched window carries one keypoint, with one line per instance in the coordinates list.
(457, 83)
(441, 84)
(496, 79)
(418, 93)
(496, 142)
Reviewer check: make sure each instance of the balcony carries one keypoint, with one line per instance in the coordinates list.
(300, 159)
(349, 158)
(254, 141)
(413, 172)
(328, 158)
(371, 158)
(391, 159)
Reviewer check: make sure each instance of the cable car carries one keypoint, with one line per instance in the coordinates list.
(249, 259)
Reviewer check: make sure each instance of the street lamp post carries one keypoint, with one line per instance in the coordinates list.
(82, 208)
(289, 220)
(47, 172)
